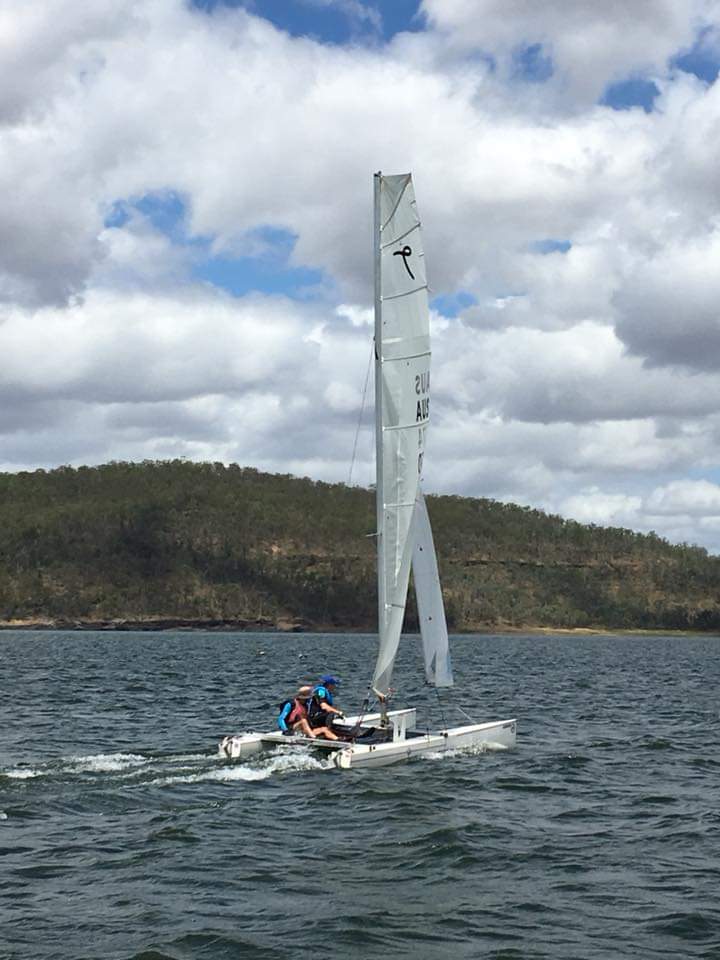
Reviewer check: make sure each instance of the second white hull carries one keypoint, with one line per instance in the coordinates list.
(497, 735)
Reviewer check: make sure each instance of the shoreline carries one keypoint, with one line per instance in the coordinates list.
(297, 625)
(160, 624)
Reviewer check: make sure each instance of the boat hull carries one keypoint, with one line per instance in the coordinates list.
(496, 735)
(404, 743)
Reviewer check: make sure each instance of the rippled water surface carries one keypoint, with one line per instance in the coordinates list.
(123, 835)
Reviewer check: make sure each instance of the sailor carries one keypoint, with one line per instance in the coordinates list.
(320, 707)
(293, 714)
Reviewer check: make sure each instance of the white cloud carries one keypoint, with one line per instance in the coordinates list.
(111, 348)
(669, 308)
(47, 47)
(694, 497)
(591, 44)
(581, 381)
(595, 506)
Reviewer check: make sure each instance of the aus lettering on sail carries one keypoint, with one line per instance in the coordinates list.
(422, 413)
(422, 391)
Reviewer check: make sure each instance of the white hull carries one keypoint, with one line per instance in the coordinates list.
(403, 742)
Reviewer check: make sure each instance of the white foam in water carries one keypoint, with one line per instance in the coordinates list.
(95, 763)
(3, 815)
(277, 763)
(190, 758)
(152, 763)
(106, 762)
(473, 750)
(130, 766)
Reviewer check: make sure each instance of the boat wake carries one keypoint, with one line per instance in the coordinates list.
(135, 769)
(92, 763)
(105, 762)
(260, 769)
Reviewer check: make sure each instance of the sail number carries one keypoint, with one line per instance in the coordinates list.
(422, 387)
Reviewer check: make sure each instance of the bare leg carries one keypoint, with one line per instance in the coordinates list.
(326, 733)
(304, 727)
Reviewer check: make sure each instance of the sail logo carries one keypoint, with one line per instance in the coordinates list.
(405, 253)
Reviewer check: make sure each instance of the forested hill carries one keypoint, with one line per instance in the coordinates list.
(204, 543)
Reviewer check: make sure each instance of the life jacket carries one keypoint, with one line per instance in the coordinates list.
(314, 709)
(297, 710)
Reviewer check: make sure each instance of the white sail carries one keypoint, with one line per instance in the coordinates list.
(431, 610)
(402, 400)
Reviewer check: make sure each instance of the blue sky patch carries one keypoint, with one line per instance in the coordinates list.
(549, 245)
(331, 21)
(268, 273)
(703, 58)
(532, 65)
(634, 92)
(165, 210)
(118, 216)
(451, 304)
(265, 268)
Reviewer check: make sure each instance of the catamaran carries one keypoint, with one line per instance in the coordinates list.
(404, 537)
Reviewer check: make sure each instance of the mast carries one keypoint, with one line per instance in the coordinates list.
(379, 491)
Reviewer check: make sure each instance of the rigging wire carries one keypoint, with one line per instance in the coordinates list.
(442, 709)
(355, 731)
(465, 714)
(362, 412)
(366, 702)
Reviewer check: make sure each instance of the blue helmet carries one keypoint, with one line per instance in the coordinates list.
(328, 678)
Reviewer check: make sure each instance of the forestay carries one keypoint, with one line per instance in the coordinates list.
(402, 400)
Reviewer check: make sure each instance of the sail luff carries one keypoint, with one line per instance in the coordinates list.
(379, 485)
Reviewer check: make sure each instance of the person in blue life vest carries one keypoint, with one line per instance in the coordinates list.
(320, 706)
(293, 716)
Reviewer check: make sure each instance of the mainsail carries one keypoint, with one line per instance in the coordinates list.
(402, 407)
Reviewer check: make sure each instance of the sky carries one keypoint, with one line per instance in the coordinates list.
(186, 240)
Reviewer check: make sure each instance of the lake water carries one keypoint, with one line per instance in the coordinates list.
(123, 835)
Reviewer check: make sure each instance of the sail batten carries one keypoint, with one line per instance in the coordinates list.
(389, 243)
(407, 293)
